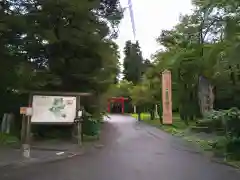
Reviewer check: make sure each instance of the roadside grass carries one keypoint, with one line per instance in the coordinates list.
(8, 140)
(180, 129)
(144, 116)
(234, 163)
(177, 128)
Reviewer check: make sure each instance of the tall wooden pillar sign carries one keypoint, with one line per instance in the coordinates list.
(167, 97)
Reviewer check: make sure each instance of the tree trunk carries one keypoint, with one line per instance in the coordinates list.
(211, 97)
(205, 95)
(152, 114)
(139, 116)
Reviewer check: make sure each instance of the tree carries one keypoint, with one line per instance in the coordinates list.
(121, 89)
(202, 46)
(64, 45)
(63, 32)
(133, 62)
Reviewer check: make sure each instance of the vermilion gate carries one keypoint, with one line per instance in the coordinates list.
(120, 100)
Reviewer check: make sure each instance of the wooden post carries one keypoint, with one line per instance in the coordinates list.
(79, 124)
(23, 129)
(26, 130)
(167, 97)
(28, 133)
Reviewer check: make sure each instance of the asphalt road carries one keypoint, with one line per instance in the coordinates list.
(131, 151)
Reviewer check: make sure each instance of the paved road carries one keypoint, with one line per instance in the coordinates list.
(131, 151)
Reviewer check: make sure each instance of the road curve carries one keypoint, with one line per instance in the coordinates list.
(131, 151)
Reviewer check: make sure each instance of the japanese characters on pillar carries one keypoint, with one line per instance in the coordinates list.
(167, 97)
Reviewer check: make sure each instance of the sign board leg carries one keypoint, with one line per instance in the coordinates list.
(26, 136)
(79, 127)
(26, 150)
(28, 130)
(79, 124)
(23, 129)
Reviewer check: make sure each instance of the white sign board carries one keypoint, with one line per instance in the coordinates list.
(29, 111)
(53, 109)
(80, 113)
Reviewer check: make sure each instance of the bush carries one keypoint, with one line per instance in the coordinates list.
(232, 122)
(91, 123)
(213, 120)
(228, 147)
(227, 120)
(233, 148)
(91, 127)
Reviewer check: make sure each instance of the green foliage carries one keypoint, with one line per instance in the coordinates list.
(64, 45)
(133, 62)
(91, 124)
(233, 148)
(121, 89)
(227, 120)
(214, 120)
(91, 127)
(229, 148)
(140, 95)
(232, 122)
(203, 44)
(6, 139)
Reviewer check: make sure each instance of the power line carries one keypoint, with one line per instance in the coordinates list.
(132, 18)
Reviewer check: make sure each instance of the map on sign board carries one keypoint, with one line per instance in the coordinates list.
(53, 109)
(58, 108)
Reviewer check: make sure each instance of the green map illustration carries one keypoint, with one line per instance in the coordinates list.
(58, 107)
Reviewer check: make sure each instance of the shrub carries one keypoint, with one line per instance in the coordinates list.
(227, 120)
(229, 147)
(233, 148)
(91, 123)
(213, 120)
(232, 122)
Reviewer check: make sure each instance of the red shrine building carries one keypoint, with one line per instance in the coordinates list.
(116, 104)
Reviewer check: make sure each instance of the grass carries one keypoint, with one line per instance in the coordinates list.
(176, 128)
(6, 139)
(234, 163)
(206, 145)
(144, 116)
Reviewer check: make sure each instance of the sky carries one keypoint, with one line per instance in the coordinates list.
(151, 17)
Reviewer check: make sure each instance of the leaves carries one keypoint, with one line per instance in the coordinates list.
(64, 45)
(203, 44)
(133, 62)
